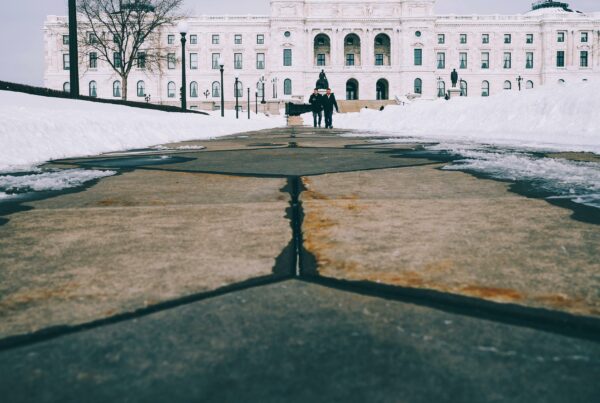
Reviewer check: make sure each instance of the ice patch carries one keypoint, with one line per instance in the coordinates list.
(577, 181)
(47, 181)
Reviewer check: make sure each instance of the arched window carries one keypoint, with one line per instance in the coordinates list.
(418, 86)
(141, 89)
(485, 89)
(382, 88)
(193, 89)
(259, 89)
(441, 89)
(171, 89)
(507, 85)
(287, 87)
(216, 89)
(352, 50)
(67, 87)
(529, 85)
(322, 50)
(117, 89)
(93, 89)
(382, 50)
(239, 90)
(352, 90)
(464, 88)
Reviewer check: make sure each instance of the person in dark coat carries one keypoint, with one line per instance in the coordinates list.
(316, 101)
(329, 103)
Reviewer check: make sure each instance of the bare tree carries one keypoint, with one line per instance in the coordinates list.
(125, 33)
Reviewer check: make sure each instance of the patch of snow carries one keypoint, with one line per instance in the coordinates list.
(558, 117)
(36, 129)
(46, 181)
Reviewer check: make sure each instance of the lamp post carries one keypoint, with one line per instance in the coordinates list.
(222, 67)
(262, 83)
(256, 101)
(248, 102)
(183, 29)
(519, 79)
(237, 96)
(73, 50)
(206, 94)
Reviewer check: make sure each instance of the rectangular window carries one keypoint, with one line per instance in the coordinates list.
(287, 57)
(507, 38)
(583, 58)
(485, 38)
(171, 61)
(463, 39)
(66, 39)
(92, 39)
(507, 60)
(379, 59)
(584, 37)
(193, 61)
(418, 56)
(216, 39)
(485, 60)
(171, 39)
(238, 39)
(141, 60)
(441, 60)
(529, 60)
(117, 39)
(117, 61)
(441, 39)
(529, 39)
(350, 59)
(321, 59)
(260, 61)
(260, 39)
(215, 61)
(560, 58)
(463, 60)
(93, 60)
(193, 39)
(66, 62)
(237, 61)
(561, 37)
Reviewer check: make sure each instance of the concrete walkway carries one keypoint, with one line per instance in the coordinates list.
(296, 265)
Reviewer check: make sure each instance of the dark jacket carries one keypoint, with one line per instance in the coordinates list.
(330, 103)
(316, 102)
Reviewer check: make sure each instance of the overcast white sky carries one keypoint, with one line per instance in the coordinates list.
(21, 22)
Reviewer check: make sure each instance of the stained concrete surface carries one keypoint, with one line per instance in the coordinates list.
(135, 240)
(449, 231)
(297, 342)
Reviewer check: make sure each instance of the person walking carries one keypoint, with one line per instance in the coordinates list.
(329, 103)
(316, 101)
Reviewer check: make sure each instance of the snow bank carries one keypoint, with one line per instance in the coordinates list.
(36, 129)
(555, 116)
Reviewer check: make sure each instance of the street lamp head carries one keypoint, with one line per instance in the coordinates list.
(237, 75)
(183, 27)
(221, 62)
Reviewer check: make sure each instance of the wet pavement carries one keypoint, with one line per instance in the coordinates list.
(296, 265)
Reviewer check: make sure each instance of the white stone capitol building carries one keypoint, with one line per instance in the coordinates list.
(370, 49)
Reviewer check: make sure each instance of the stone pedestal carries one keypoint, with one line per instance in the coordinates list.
(295, 121)
(454, 92)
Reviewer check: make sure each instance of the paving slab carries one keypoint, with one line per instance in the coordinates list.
(423, 227)
(298, 342)
(135, 240)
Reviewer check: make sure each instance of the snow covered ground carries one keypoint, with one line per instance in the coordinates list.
(36, 129)
(562, 117)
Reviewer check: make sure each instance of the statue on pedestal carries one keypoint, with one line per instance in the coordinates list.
(322, 82)
(454, 78)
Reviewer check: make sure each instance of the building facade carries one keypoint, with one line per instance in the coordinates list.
(370, 49)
